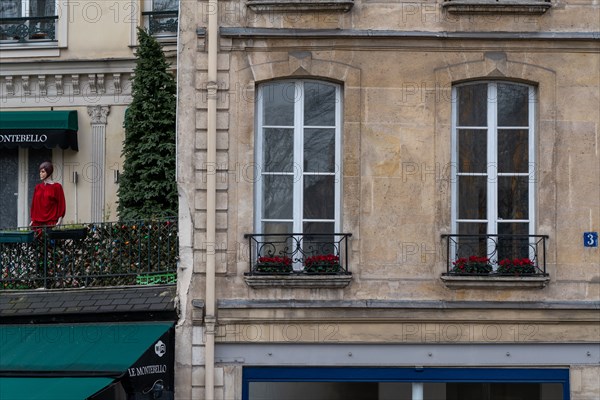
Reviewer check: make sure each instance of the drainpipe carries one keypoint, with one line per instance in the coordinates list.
(211, 195)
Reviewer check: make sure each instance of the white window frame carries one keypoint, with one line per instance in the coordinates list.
(298, 172)
(493, 220)
(148, 5)
(40, 48)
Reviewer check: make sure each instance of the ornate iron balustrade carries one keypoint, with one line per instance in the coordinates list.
(496, 255)
(161, 22)
(96, 254)
(298, 253)
(23, 29)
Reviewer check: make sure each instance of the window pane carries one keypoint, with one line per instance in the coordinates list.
(278, 103)
(513, 247)
(41, 8)
(472, 197)
(319, 196)
(164, 5)
(319, 150)
(472, 246)
(10, 8)
(472, 105)
(513, 197)
(278, 150)
(513, 150)
(513, 105)
(472, 150)
(276, 228)
(319, 244)
(319, 104)
(279, 244)
(277, 195)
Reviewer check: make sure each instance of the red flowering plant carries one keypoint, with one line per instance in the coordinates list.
(322, 264)
(472, 265)
(516, 266)
(274, 265)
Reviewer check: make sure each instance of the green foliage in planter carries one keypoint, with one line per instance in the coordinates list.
(472, 265)
(147, 187)
(322, 264)
(273, 265)
(516, 266)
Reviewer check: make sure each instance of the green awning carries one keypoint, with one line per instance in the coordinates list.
(94, 349)
(51, 388)
(38, 129)
(74, 361)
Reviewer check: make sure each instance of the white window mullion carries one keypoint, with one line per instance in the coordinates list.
(532, 160)
(258, 148)
(492, 160)
(338, 163)
(454, 166)
(298, 156)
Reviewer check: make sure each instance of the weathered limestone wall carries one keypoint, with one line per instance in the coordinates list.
(396, 179)
(396, 162)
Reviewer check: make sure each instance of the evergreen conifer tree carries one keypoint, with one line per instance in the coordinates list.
(147, 187)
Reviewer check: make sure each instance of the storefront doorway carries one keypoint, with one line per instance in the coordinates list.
(19, 176)
(405, 384)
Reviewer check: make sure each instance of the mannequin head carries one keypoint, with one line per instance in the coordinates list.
(46, 170)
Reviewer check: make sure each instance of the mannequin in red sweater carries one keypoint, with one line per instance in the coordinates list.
(48, 203)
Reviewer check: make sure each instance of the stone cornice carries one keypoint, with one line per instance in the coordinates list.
(106, 66)
(66, 83)
(497, 7)
(300, 5)
(408, 304)
(282, 33)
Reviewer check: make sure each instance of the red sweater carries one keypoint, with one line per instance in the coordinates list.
(48, 204)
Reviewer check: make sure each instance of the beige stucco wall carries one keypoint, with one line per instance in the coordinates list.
(101, 29)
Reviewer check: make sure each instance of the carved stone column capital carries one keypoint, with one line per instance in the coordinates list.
(98, 114)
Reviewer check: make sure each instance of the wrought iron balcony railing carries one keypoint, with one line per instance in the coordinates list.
(24, 29)
(298, 253)
(161, 22)
(496, 255)
(95, 254)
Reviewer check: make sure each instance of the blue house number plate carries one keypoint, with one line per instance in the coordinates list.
(590, 239)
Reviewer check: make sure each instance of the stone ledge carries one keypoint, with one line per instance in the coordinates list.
(299, 5)
(496, 7)
(298, 281)
(495, 282)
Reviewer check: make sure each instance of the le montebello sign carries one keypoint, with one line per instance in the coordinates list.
(23, 138)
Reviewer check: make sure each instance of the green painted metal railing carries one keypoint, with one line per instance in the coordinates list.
(95, 254)
(24, 29)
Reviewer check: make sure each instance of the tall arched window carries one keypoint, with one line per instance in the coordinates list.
(493, 158)
(298, 154)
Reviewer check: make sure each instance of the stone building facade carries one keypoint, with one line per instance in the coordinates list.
(376, 132)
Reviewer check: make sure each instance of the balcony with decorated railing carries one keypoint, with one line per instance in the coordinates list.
(28, 29)
(495, 261)
(298, 260)
(89, 255)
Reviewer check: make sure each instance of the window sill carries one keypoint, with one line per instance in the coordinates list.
(29, 49)
(496, 7)
(495, 282)
(300, 5)
(298, 281)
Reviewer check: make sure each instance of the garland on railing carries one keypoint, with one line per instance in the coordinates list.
(98, 254)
